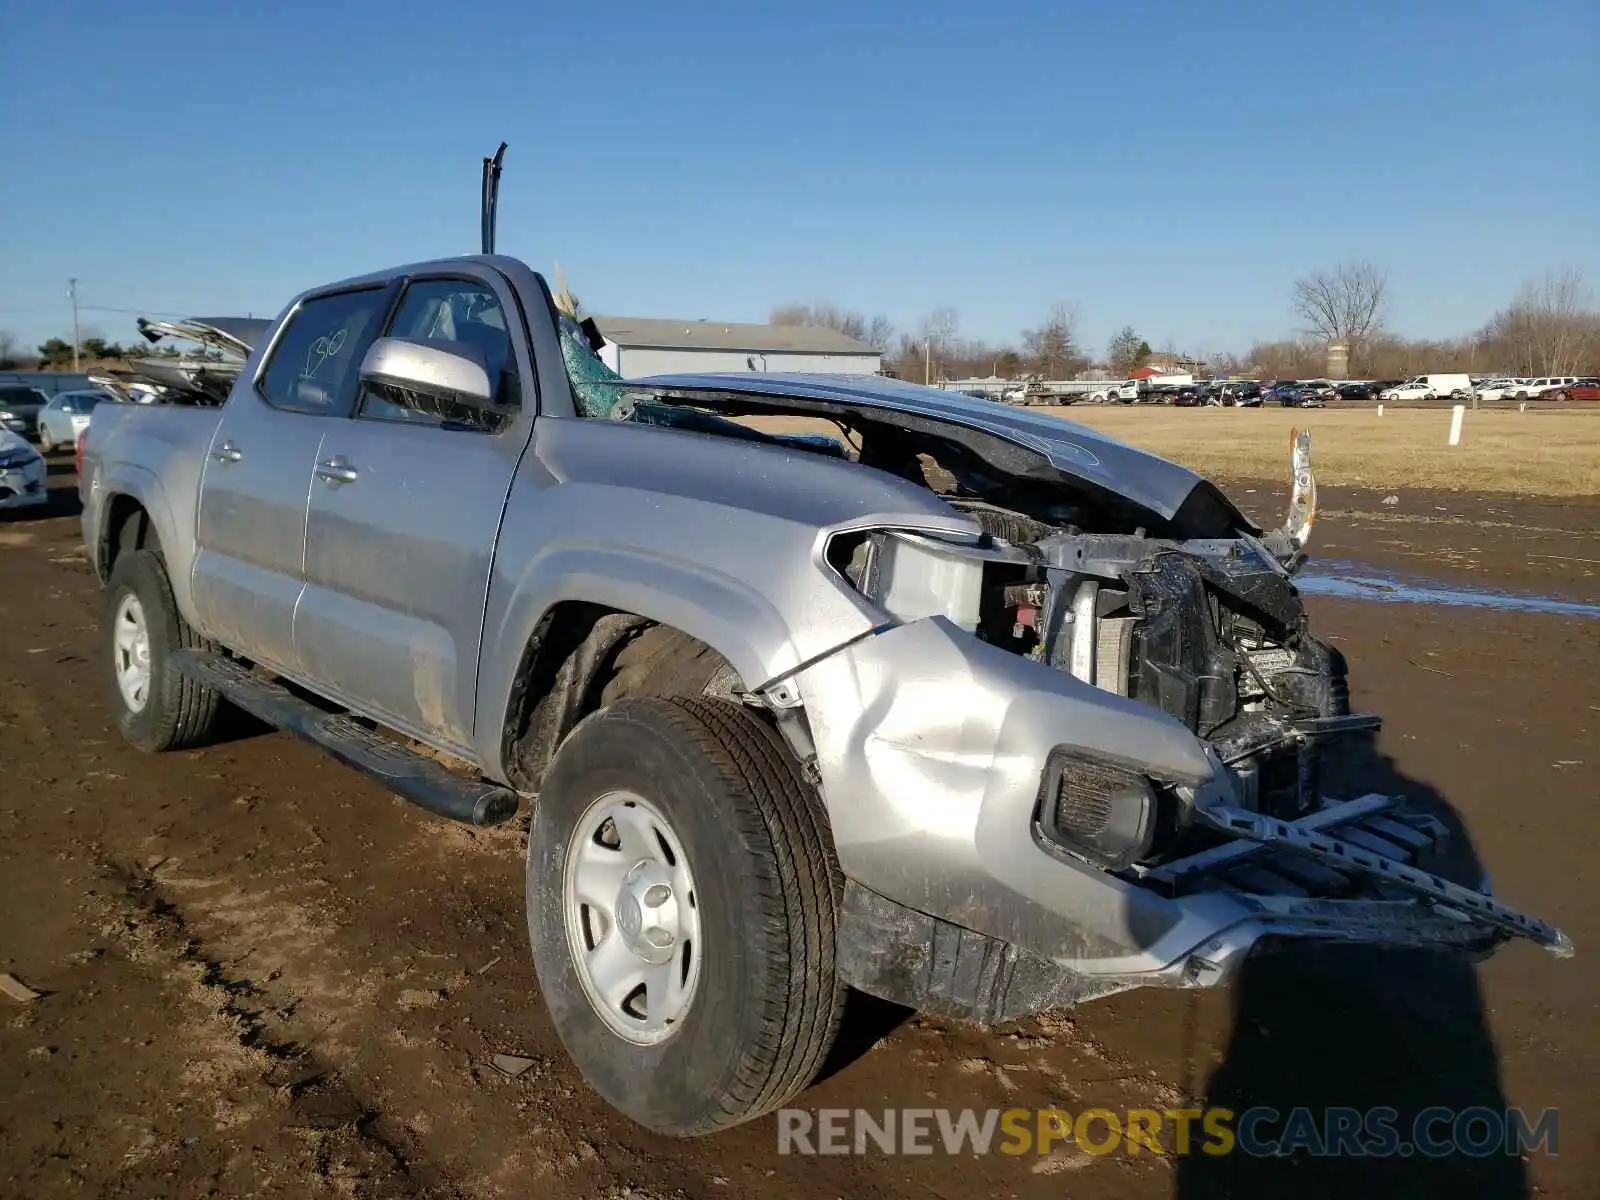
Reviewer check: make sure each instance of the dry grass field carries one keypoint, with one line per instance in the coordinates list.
(1534, 453)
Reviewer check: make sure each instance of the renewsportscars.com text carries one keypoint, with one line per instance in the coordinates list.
(1261, 1132)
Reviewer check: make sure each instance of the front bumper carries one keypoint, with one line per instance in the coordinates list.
(930, 745)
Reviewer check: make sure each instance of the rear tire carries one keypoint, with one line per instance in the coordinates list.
(763, 994)
(142, 629)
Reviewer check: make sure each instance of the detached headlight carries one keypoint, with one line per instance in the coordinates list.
(914, 575)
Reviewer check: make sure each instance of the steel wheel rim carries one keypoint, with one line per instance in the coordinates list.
(631, 915)
(130, 649)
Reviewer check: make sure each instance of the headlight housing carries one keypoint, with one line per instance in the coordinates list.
(912, 575)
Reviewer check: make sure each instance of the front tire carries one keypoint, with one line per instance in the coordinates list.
(47, 444)
(156, 708)
(663, 820)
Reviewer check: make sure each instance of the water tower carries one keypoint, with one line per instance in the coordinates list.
(1338, 360)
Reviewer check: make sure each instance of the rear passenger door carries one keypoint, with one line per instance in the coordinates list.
(403, 517)
(250, 537)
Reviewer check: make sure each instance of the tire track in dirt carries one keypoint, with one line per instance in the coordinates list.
(308, 1092)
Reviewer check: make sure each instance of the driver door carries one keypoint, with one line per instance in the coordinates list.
(404, 512)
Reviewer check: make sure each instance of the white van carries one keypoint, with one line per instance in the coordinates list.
(1431, 387)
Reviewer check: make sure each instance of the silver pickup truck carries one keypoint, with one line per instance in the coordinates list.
(810, 682)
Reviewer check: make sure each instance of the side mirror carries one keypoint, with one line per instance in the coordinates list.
(442, 372)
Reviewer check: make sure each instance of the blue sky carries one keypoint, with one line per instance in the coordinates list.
(1163, 164)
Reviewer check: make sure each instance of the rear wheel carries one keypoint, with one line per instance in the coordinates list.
(682, 897)
(156, 708)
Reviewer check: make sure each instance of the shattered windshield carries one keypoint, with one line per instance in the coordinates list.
(594, 385)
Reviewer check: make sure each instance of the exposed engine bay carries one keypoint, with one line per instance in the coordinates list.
(1194, 614)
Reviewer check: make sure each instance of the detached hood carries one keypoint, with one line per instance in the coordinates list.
(1163, 487)
(231, 335)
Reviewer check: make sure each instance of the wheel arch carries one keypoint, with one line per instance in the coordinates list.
(542, 618)
(582, 657)
(125, 526)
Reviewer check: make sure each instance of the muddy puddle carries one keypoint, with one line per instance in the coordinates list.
(1362, 581)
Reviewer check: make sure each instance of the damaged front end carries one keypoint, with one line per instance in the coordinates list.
(1079, 762)
(1086, 744)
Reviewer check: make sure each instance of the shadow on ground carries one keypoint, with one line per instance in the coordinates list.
(1340, 1026)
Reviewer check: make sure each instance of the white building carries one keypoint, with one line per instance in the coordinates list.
(640, 346)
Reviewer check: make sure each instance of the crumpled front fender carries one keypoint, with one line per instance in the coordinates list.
(931, 746)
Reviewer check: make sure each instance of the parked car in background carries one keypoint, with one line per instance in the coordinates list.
(1242, 393)
(1295, 395)
(22, 473)
(66, 416)
(1499, 388)
(1431, 387)
(21, 406)
(1581, 389)
(1355, 391)
(1543, 387)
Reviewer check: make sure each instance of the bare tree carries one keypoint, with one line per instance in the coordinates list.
(1550, 328)
(1303, 359)
(939, 329)
(1345, 305)
(1052, 349)
(877, 332)
(8, 350)
(880, 333)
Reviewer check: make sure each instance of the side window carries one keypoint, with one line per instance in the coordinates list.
(447, 311)
(316, 363)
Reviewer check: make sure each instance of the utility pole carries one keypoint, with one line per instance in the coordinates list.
(927, 362)
(72, 294)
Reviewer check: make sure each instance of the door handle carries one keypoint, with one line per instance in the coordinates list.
(337, 470)
(227, 452)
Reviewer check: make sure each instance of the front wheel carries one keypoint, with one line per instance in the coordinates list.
(47, 444)
(156, 708)
(682, 897)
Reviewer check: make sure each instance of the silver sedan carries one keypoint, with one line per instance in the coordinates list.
(66, 416)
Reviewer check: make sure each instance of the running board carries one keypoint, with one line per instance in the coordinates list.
(407, 774)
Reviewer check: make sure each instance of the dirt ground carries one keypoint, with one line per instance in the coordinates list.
(263, 976)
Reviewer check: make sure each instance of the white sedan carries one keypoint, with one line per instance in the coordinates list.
(1408, 391)
(1499, 389)
(66, 416)
(22, 473)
